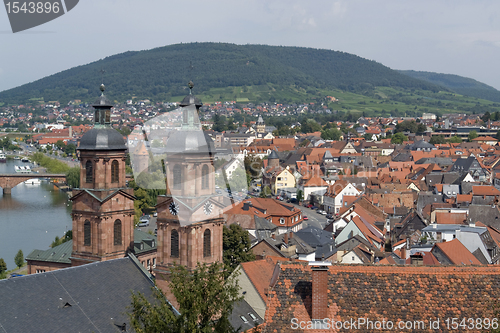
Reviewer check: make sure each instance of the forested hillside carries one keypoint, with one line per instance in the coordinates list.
(459, 84)
(161, 73)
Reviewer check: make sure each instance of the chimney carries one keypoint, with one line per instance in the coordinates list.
(403, 253)
(319, 289)
(286, 238)
(291, 234)
(246, 205)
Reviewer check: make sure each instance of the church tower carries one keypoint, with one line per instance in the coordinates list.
(189, 219)
(261, 126)
(103, 207)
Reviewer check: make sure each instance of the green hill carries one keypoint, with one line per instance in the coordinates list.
(458, 84)
(162, 74)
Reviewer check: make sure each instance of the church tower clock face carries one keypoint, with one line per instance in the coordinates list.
(208, 207)
(174, 208)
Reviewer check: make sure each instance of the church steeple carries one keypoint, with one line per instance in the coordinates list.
(102, 106)
(189, 215)
(103, 206)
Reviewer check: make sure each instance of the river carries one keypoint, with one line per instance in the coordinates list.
(31, 217)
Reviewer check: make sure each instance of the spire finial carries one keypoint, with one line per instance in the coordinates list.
(190, 85)
(102, 88)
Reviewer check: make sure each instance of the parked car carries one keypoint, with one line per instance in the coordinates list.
(308, 205)
(155, 214)
(314, 207)
(305, 218)
(143, 221)
(329, 216)
(319, 211)
(293, 200)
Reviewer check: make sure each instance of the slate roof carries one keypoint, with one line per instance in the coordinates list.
(60, 254)
(244, 317)
(425, 199)
(314, 236)
(487, 214)
(149, 242)
(88, 298)
(383, 292)
(420, 145)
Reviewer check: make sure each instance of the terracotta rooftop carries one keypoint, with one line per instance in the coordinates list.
(484, 190)
(390, 293)
(260, 272)
(457, 253)
(445, 217)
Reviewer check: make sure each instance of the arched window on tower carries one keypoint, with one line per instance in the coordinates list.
(89, 172)
(177, 176)
(114, 171)
(174, 244)
(86, 233)
(204, 177)
(207, 244)
(117, 231)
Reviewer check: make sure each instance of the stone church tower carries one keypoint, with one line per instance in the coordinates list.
(103, 207)
(261, 126)
(189, 219)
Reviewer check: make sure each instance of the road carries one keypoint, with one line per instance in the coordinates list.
(151, 227)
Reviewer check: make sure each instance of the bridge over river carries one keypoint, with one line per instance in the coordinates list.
(8, 181)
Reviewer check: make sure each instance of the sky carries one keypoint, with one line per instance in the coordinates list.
(453, 37)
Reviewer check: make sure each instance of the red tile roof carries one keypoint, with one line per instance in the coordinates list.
(445, 217)
(457, 253)
(484, 190)
(260, 272)
(390, 293)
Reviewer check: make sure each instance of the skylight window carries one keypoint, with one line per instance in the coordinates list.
(244, 319)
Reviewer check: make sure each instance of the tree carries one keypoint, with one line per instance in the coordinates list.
(331, 134)
(253, 165)
(300, 195)
(266, 192)
(486, 117)
(154, 317)
(455, 139)
(58, 241)
(437, 139)
(73, 177)
(472, 135)
(19, 259)
(3, 266)
(236, 246)
(398, 138)
(205, 301)
(60, 144)
(238, 180)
